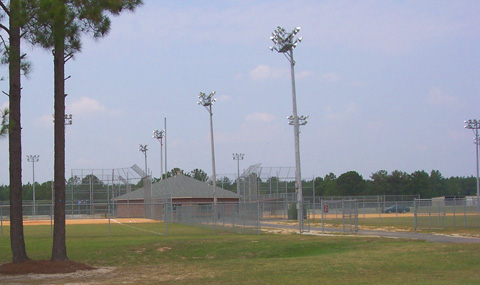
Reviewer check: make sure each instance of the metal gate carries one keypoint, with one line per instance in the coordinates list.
(340, 214)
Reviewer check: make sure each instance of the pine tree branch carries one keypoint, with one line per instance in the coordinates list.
(5, 8)
(5, 28)
(5, 46)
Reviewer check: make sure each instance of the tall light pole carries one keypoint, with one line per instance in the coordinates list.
(33, 159)
(285, 43)
(474, 125)
(207, 102)
(159, 135)
(238, 157)
(144, 148)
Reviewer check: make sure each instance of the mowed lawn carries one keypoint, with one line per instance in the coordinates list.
(141, 254)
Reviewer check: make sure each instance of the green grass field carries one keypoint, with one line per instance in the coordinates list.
(194, 255)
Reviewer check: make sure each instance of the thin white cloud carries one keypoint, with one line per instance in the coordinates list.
(439, 98)
(460, 136)
(115, 113)
(263, 72)
(389, 27)
(331, 77)
(348, 111)
(224, 97)
(239, 76)
(260, 117)
(44, 121)
(303, 74)
(256, 127)
(376, 126)
(85, 105)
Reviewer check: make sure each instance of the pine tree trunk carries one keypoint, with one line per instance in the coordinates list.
(17, 241)
(59, 250)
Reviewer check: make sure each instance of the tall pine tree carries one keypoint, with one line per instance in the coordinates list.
(59, 26)
(13, 56)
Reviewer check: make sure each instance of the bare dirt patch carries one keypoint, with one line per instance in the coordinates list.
(162, 249)
(43, 267)
(140, 274)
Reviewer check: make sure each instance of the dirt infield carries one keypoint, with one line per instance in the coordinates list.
(394, 215)
(27, 222)
(372, 216)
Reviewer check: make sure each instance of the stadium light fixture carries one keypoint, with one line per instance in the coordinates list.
(474, 125)
(285, 42)
(33, 158)
(68, 119)
(144, 148)
(159, 135)
(207, 102)
(238, 157)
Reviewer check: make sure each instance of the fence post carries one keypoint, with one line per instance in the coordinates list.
(314, 209)
(396, 211)
(430, 216)
(379, 211)
(51, 220)
(364, 211)
(258, 218)
(454, 202)
(465, 212)
(1, 221)
(336, 209)
(165, 213)
(322, 205)
(234, 212)
(307, 208)
(213, 218)
(355, 213)
(415, 213)
(244, 215)
(438, 208)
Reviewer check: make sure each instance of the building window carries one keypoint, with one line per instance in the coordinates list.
(205, 208)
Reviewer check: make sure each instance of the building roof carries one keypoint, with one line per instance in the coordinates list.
(179, 186)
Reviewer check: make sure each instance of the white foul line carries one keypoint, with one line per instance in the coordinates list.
(137, 228)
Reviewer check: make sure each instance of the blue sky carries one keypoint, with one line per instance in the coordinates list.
(387, 85)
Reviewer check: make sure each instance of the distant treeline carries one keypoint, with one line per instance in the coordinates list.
(427, 185)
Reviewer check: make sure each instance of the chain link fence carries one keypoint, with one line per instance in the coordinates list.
(447, 213)
(247, 217)
(341, 214)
